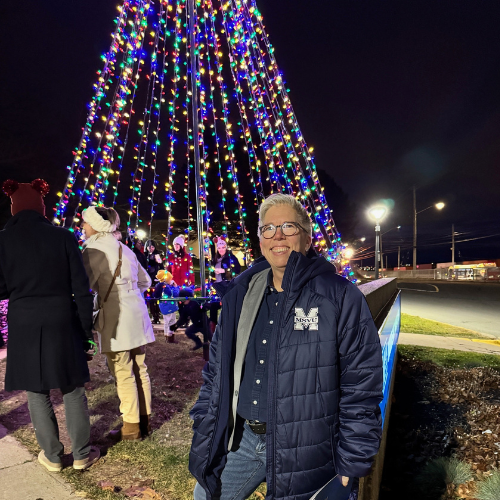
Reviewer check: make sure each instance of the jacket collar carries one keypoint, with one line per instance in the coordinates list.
(310, 265)
(27, 216)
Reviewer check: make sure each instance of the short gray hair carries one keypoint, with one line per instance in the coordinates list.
(286, 199)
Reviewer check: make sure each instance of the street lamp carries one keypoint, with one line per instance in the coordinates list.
(348, 253)
(438, 206)
(382, 246)
(141, 234)
(377, 213)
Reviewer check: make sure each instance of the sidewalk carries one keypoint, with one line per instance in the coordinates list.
(23, 478)
(480, 346)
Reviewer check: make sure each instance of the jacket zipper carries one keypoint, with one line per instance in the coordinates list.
(203, 474)
(271, 457)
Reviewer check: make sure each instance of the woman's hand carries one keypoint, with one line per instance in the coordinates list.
(345, 480)
(219, 271)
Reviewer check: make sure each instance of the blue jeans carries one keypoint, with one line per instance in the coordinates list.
(245, 468)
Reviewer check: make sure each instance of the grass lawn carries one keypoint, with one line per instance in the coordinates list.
(443, 428)
(153, 469)
(416, 324)
(449, 358)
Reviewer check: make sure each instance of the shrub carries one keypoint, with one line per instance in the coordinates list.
(489, 489)
(439, 474)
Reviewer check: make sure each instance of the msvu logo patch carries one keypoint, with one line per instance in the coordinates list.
(303, 321)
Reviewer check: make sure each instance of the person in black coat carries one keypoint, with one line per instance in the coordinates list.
(138, 249)
(49, 321)
(154, 261)
(194, 312)
(226, 267)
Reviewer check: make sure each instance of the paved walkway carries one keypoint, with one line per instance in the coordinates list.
(23, 478)
(476, 345)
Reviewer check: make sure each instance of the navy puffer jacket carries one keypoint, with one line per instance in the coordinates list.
(324, 389)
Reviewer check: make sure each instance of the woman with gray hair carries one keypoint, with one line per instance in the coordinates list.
(123, 322)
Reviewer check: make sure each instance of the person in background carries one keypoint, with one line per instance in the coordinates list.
(226, 267)
(125, 329)
(166, 289)
(138, 249)
(292, 389)
(154, 262)
(194, 312)
(180, 264)
(49, 322)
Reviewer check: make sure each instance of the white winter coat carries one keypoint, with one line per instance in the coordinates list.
(126, 319)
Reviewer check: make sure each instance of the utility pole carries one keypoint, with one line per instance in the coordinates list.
(399, 257)
(191, 5)
(453, 244)
(386, 260)
(414, 228)
(196, 140)
(381, 252)
(377, 251)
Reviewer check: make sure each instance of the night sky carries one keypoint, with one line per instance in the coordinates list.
(390, 94)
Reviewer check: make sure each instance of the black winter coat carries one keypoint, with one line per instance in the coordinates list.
(50, 304)
(153, 265)
(324, 387)
(230, 263)
(191, 311)
(141, 257)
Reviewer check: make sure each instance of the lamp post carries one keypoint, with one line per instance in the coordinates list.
(377, 213)
(382, 246)
(438, 206)
(453, 244)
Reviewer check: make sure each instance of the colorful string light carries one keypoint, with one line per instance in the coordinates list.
(137, 144)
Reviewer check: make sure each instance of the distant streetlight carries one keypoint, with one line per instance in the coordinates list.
(141, 234)
(377, 213)
(348, 253)
(438, 206)
(389, 230)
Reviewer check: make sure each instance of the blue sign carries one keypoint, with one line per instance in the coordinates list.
(389, 335)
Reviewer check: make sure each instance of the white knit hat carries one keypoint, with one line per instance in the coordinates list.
(92, 217)
(179, 241)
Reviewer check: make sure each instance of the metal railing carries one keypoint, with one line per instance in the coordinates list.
(434, 274)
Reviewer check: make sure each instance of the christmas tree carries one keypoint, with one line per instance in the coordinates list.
(191, 119)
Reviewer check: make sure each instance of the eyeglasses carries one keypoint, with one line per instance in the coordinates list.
(287, 229)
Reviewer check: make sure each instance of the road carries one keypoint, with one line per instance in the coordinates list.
(475, 306)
